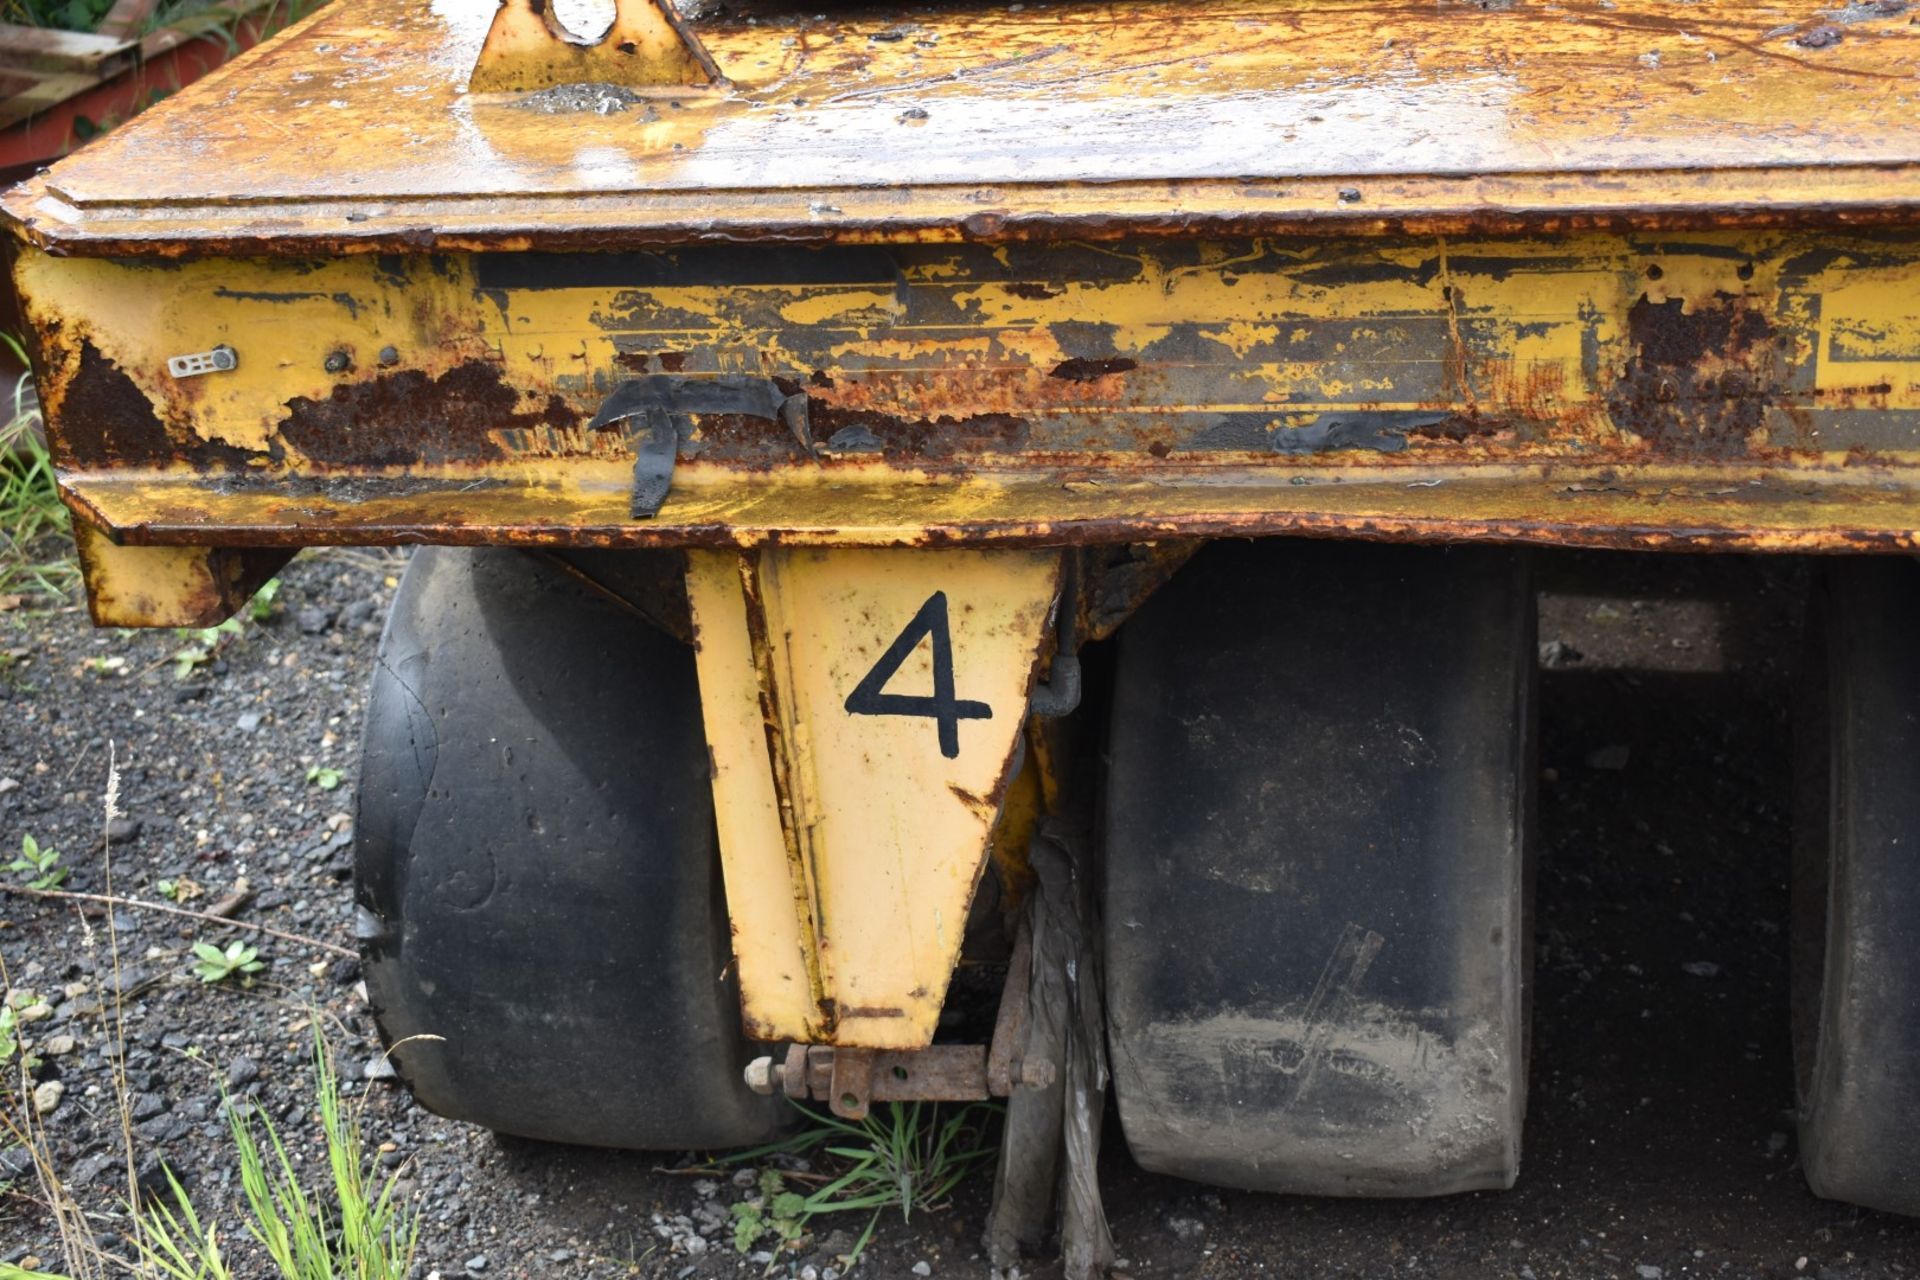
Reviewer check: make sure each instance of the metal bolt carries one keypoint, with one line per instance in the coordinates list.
(338, 362)
(389, 356)
(1035, 1073)
(762, 1076)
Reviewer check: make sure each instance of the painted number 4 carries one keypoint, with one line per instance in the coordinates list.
(870, 698)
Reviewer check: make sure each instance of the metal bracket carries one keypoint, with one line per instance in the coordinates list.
(662, 406)
(648, 46)
(219, 360)
(849, 1081)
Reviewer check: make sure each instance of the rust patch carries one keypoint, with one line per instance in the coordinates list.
(939, 436)
(652, 361)
(1033, 290)
(741, 440)
(971, 800)
(1533, 396)
(1457, 428)
(842, 429)
(217, 455)
(1081, 369)
(105, 419)
(400, 419)
(856, 425)
(1699, 383)
(957, 391)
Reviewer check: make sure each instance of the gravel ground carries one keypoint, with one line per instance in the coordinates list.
(1659, 1140)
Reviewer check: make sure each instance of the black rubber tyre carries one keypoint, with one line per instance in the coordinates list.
(1856, 886)
(1317, 885)
(538, 880)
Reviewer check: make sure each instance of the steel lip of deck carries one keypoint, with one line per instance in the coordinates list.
(1659, 507)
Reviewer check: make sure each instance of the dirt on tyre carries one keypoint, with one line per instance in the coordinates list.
(1316, 909)
(538, 884)
(1856, 885)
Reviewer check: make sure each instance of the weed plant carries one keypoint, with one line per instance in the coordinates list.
(351, 1227)
(905, 1156)
(36, 546)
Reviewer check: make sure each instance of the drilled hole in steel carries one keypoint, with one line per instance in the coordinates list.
(849, 1101)
(587, 19)
(628, 46)
(899, 1073)
(1745, 271)
(1654, 272)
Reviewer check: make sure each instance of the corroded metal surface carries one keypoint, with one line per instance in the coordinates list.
(1219, 117)
(169, 586)
(849, 1080)
(1652, 508)
(863, 712)
(647, 46)
(938, 1073)
(1716, 389)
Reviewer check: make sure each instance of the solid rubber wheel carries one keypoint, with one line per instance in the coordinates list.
(1317, 885)
(1856, 886)
(538, 882)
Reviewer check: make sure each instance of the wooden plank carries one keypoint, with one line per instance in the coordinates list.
(48, 92)
(128, 19)
(48, 49)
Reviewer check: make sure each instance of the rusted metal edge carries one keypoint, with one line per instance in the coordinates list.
(850, 1079)
(1552, 506)
(777, 715)
(648, 44)
(169, 586)
(1840, 196)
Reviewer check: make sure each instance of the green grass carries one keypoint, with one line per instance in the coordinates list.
(70, 15)
(348, 1229)
(907, 1157)
(36, 546)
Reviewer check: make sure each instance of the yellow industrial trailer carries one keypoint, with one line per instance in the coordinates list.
(788, 399)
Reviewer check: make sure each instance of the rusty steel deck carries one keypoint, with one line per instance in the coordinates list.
(1219, 116)
(1646, 275)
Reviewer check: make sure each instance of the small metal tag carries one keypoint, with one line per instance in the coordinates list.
(218, 360)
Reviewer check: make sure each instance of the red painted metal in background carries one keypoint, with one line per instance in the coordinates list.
(168, 63)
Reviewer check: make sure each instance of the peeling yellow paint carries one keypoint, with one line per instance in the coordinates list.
(851, 841)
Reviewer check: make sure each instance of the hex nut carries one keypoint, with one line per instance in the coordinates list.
(1036, 1073)
(762, 1076)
